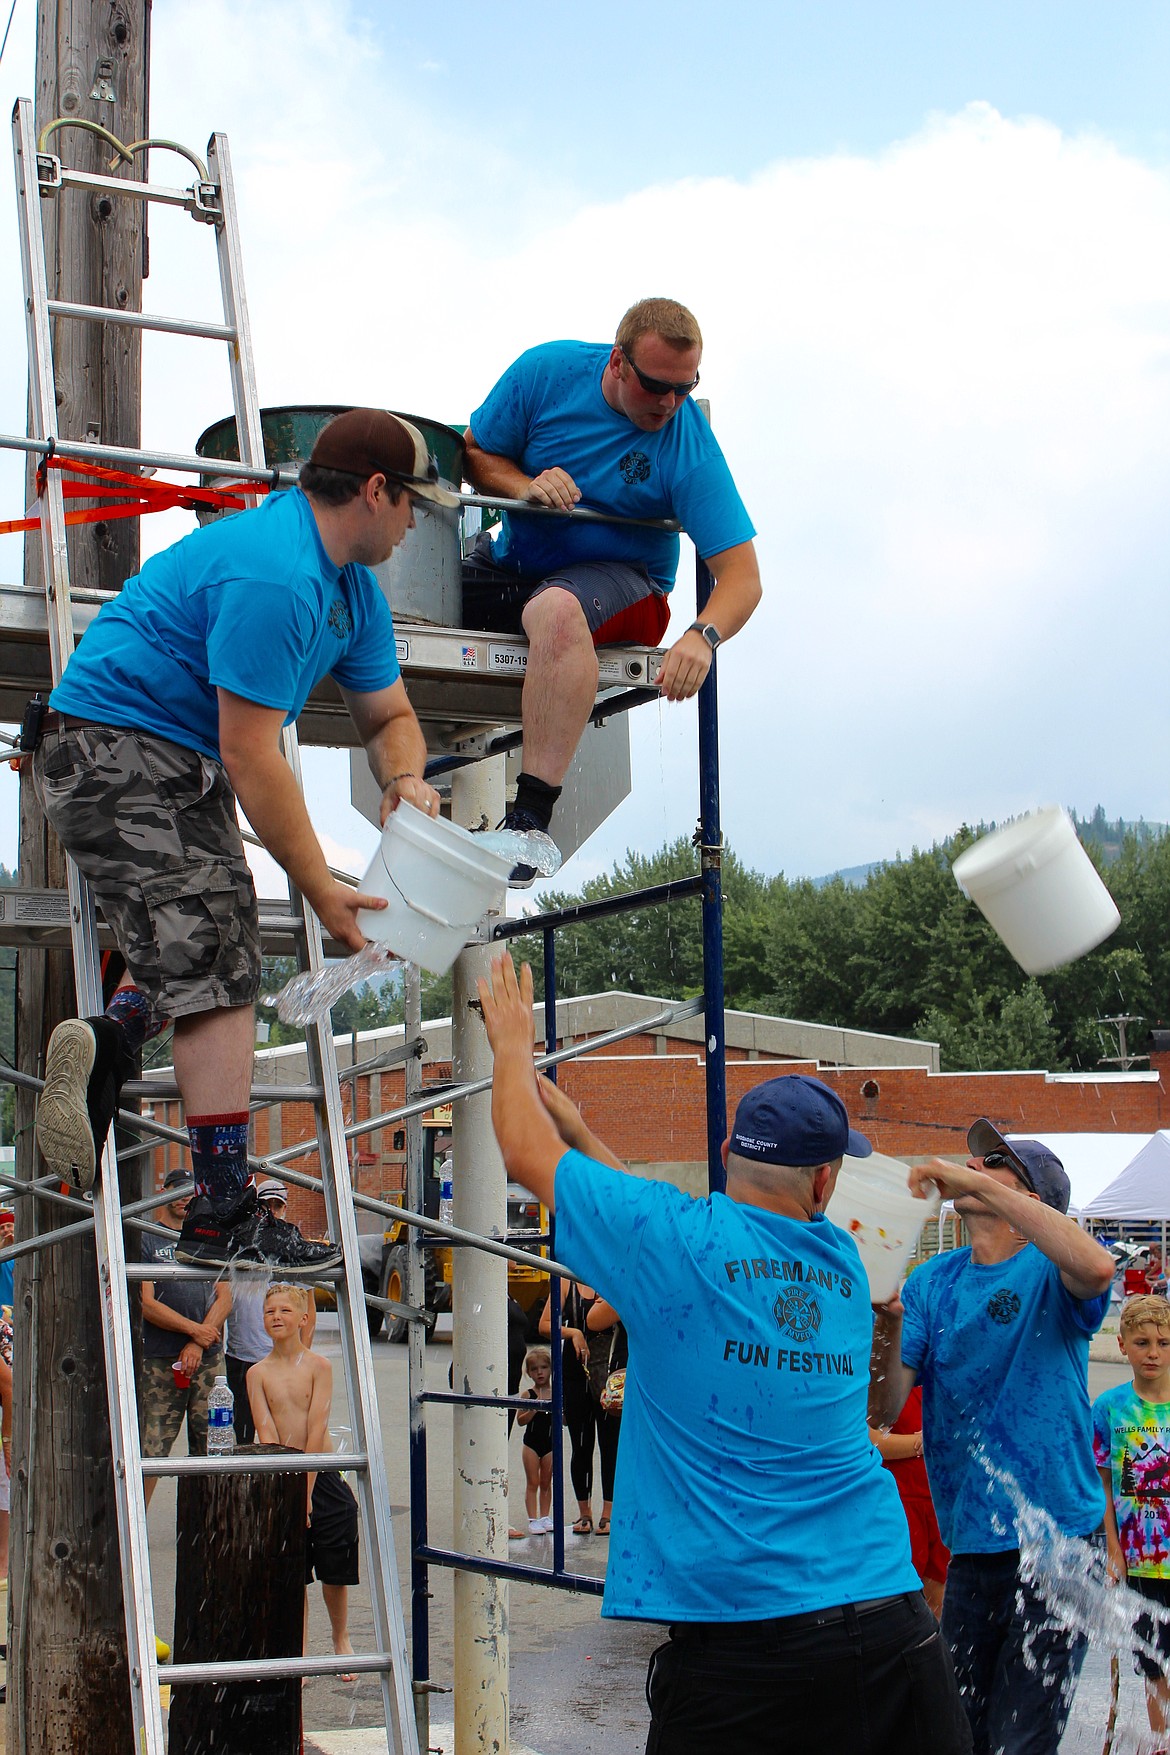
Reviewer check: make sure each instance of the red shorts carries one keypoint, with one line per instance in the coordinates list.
(928, 1555)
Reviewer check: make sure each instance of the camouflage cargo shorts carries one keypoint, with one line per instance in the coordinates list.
(162, 1404)
(153, 827)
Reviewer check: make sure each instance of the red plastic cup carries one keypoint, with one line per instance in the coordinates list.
(182, 1381)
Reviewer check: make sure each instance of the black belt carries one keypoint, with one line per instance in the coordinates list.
(781, 1624)
(54, 721)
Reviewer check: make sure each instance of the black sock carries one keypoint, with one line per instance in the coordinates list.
(537, 797)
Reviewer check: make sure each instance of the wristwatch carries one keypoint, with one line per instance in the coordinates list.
(709, 632)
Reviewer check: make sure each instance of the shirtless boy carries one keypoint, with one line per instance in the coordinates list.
(290, 1393)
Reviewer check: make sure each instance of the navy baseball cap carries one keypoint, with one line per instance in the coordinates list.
(794, 1120)
(176, 1178)
(1039, 1169)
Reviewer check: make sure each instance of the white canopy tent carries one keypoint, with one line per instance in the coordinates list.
(1096, 1163)
(1142, 1189)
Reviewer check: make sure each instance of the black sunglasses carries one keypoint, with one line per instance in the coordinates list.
(1001, 1161)
(658, 386)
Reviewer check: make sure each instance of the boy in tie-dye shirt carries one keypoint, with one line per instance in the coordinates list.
(1131, 1447)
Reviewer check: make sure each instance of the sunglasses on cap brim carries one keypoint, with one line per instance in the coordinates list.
(999, 1160)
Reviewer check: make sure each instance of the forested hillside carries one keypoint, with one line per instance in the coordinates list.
(904, 953)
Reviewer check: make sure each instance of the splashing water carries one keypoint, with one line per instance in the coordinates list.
(523, 847)
(1068, 1574)
(309, 997)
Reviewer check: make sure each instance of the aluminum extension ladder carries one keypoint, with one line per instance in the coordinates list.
(210, 200)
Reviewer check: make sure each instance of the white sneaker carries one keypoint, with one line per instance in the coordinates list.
(541, 1526)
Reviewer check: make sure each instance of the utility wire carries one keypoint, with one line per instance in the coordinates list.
(7, 28)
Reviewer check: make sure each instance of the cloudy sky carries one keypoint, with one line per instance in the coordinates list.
(929, 247)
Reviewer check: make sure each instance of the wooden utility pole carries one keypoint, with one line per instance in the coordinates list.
(67, 1681)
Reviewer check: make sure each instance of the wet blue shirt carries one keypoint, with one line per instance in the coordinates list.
(747, 1486)
(252, 604)
(1002, 1352)
(547, 411)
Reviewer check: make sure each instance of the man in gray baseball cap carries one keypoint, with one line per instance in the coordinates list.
(998, 1333)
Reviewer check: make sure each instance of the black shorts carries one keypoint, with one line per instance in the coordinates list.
(331, 1548)
(1153, 1631)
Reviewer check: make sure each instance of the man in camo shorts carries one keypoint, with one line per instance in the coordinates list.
(169, 711)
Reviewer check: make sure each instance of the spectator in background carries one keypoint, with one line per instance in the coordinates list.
(245, 1341)
(182, 1341)
(6, 1437)
(901, 1450)
(588, 1427)
(7, 1229)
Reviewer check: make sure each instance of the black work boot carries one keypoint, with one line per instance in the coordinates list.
(242, 1233)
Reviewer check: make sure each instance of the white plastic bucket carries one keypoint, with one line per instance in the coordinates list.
(872, 1201)
(439, 883)
(1039, 889)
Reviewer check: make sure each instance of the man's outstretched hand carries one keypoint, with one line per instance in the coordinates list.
(527, 1134)
(507, 1011)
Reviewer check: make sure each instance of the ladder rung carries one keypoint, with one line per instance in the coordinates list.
(166, 1090)
(143, 320)
(325, 1462)
(255, 1669)
(179, 1270)
(199, 198)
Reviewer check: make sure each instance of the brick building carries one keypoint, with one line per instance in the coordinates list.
(646, 1095)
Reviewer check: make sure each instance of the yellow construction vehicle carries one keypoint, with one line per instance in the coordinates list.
(384, 1258)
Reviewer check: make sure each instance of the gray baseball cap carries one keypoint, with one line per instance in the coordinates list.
(1039, 1169)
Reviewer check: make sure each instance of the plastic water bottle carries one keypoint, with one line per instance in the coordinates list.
(447, 1196)
(221, 1431)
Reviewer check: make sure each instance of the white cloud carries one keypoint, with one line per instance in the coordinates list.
(940, 374)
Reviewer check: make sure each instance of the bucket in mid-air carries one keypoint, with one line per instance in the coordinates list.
(1036, 885)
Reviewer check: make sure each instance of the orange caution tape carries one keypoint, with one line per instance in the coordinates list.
(130, 496)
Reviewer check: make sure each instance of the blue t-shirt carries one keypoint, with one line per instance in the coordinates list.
(6, 1282)
(1131, 1442)
(1002, 1351)
(547, 411)
(252, 604)
(747, 1486)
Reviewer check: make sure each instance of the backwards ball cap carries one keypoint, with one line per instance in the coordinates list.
(795, 1120)
(372, 441)
(1039, 1170)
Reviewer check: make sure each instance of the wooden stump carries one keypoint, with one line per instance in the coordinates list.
(239, 1593)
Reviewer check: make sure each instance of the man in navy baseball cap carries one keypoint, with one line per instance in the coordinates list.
(795, 1120)
(744, 1449)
